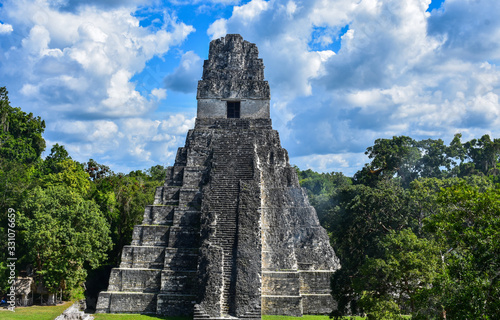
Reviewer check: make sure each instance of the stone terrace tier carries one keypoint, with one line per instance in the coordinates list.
(230, 234)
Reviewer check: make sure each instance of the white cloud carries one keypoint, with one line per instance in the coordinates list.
(177, 124)
(38, 40)
(191, 2)
(400, 70)
(134, 140)
(248, 12)
(331, 162)
(217, 29)
(102, 49)
(185, 77)
(5, 28)
(159, 94)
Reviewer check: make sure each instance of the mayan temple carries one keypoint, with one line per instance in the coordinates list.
(231, 234)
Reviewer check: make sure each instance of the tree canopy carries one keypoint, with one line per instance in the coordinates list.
(417, 230)
(71, 217)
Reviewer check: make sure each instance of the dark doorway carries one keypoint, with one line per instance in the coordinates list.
(233, 109)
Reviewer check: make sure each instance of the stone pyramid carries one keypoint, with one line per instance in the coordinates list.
(231, 234)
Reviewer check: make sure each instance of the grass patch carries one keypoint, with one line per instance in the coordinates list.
(134, 316)
(34, 312)
(305, 317)
(51, 312)
(107, 316)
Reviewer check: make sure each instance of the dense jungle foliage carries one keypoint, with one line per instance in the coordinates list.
(417, 229)
(71, 217)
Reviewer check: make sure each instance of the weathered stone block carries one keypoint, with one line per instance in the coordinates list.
(210, 280)
(134, 280)
(318, 303)
(154, 235)
(124, 302)
(173, 282)
(186, 217)
(181, 259)
(190, 198)
(103, 301)
(315, 282)
(193, 174)
(176, 305)
(158, 214)
(282, 305)
(184, 237)
(281, 283)
(149, 257)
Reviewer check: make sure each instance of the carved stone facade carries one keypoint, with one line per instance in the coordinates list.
(231, 233)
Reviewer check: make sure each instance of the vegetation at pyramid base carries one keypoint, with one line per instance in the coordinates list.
(416, 229)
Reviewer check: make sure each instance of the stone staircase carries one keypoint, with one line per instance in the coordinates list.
(233, 162)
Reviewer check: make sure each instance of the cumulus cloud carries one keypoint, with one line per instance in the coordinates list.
(78, 66)
(89, 56)
(185, 77)
(5, 28)
(73, 5)
(126, 142)
(399, 70)
(204, 2)
(330, 162)
(470, 28)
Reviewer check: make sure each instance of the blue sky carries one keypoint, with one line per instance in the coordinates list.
(115, 80)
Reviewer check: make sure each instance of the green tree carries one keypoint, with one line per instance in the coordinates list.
(468, 225)
(365, 216)
(484, 153)
(52, 163)
(434, 158)
(390, 157)
(157, 173)
(70, 174)
(322, 190)
(20, 133)
(63, 232)
(401, 278)
(21, 144)
(409, 159)
(97, 171)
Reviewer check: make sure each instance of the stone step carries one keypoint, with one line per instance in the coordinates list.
(134, 280)
(149, 257)
(150, 235)
(184, 237)
(186, 217)
(190, 198)
(181, 259)
(179, 282)
(164, 195)
(158, 214)
(173, 305)
(126, 302)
